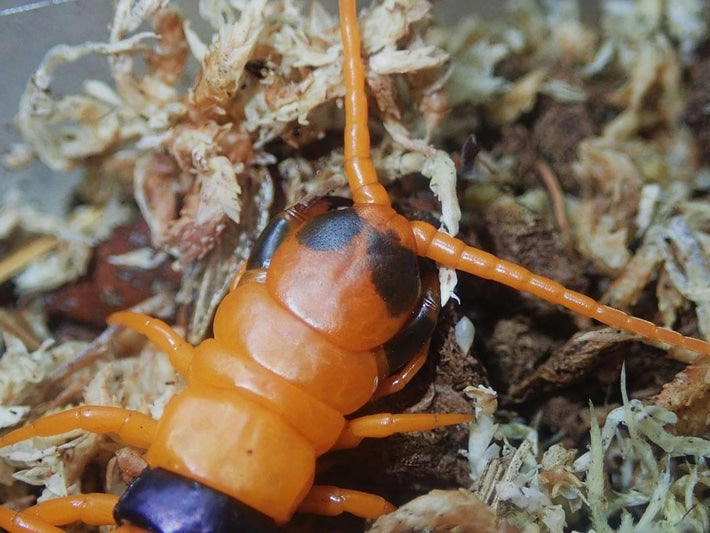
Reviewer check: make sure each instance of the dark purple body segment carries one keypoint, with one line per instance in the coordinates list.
(163, 502)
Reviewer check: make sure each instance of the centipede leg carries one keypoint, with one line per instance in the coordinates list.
(332, 501)
(396, 382)
(385, 424)
(21, 522)
(131, 427)
(160, 334)
(91, 509)
(95, 509)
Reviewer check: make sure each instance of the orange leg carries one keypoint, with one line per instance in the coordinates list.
(20, 522)
(91, 509)
(396, 382)
(453, 253)
(331, 501)
(386, 424)
(160, 334)
(131, 427)
(362, 177)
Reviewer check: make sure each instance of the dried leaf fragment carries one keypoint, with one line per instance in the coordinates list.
(63, 132)
(225, 60)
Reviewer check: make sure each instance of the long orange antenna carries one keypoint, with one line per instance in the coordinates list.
(454, 253)
(362, 177)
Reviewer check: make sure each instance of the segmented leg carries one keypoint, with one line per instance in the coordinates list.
(396, 382)
(132, 427)
(362, 177)
(453, 253)
(160, 334)
(92, 509)
(21, 522)
(331, 501)
(385, 424)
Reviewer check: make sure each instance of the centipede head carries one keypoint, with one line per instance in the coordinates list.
(350, 273)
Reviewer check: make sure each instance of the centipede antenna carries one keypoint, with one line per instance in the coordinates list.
(455, 254)
(361, 173)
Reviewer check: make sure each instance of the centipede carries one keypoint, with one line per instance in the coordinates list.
(334, 308)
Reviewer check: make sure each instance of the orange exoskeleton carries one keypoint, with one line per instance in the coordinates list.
(334, 308)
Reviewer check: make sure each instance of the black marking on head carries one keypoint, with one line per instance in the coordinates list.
(280, 226)
(395, 273)
(164, 502)
(331, 231)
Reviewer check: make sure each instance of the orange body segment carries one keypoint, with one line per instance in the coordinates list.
(286, 346)
(237, 446)
(218, 367)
